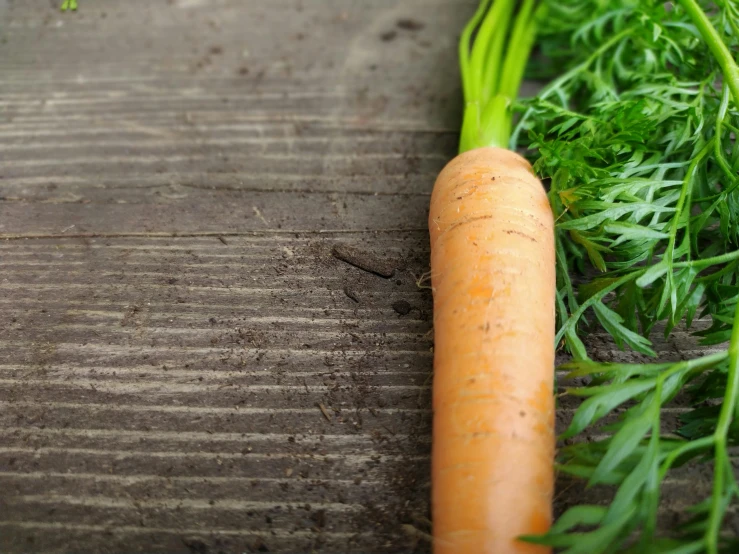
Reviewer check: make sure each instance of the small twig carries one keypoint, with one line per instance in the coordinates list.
(324, 411)
(258, 213)
(416, 533)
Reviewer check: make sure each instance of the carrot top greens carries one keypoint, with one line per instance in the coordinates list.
(492, 65)
(636, 133)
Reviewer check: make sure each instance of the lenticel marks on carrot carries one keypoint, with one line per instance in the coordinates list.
(493, 279)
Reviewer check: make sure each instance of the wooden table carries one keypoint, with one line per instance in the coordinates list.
(186, 365)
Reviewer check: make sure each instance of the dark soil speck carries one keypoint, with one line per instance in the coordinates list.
(196, 546)
(410, 24)
(351, 293)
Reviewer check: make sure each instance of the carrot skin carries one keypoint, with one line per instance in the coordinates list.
(493, 280)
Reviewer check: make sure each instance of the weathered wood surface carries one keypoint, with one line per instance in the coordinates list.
(184, 366)
(173, 177)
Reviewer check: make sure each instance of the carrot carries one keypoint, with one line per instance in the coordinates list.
(493, 280)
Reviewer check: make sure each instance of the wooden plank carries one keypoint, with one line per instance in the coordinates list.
(174, 177)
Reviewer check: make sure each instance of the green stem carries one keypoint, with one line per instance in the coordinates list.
(487, 34)
(494, 130)
(722, 464)
(686, 448)
(716, 45)
(723, 108)
(492, 70)
(522, 40)
(684, 194)
(729, 268)
(707, 262)
(464, 48)
(470, 126)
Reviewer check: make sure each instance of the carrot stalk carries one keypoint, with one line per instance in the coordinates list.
(493, 280)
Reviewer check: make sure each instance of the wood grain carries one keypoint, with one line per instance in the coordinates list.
(173, 179)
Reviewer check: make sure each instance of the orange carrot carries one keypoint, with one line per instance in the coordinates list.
(493, 280)
(494, 286)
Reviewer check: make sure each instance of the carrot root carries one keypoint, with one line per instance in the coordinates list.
(493, 281)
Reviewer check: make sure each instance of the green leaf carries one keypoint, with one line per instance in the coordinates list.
(564, 127)
(690, 548)
(592, 288)
(632, 231)
(613, 323)
(668, 546)
(575, 345)
(632, 485)
(586, 472)
(594, 542)
(591, 248)
(689, 300)
(602, 402)
(652, 274)
(617, 372)
(614, 212)
(621, 446)
(600, 540)
(586, 514)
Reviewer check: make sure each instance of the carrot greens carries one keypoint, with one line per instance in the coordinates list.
(636, 136)
(636, 132)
